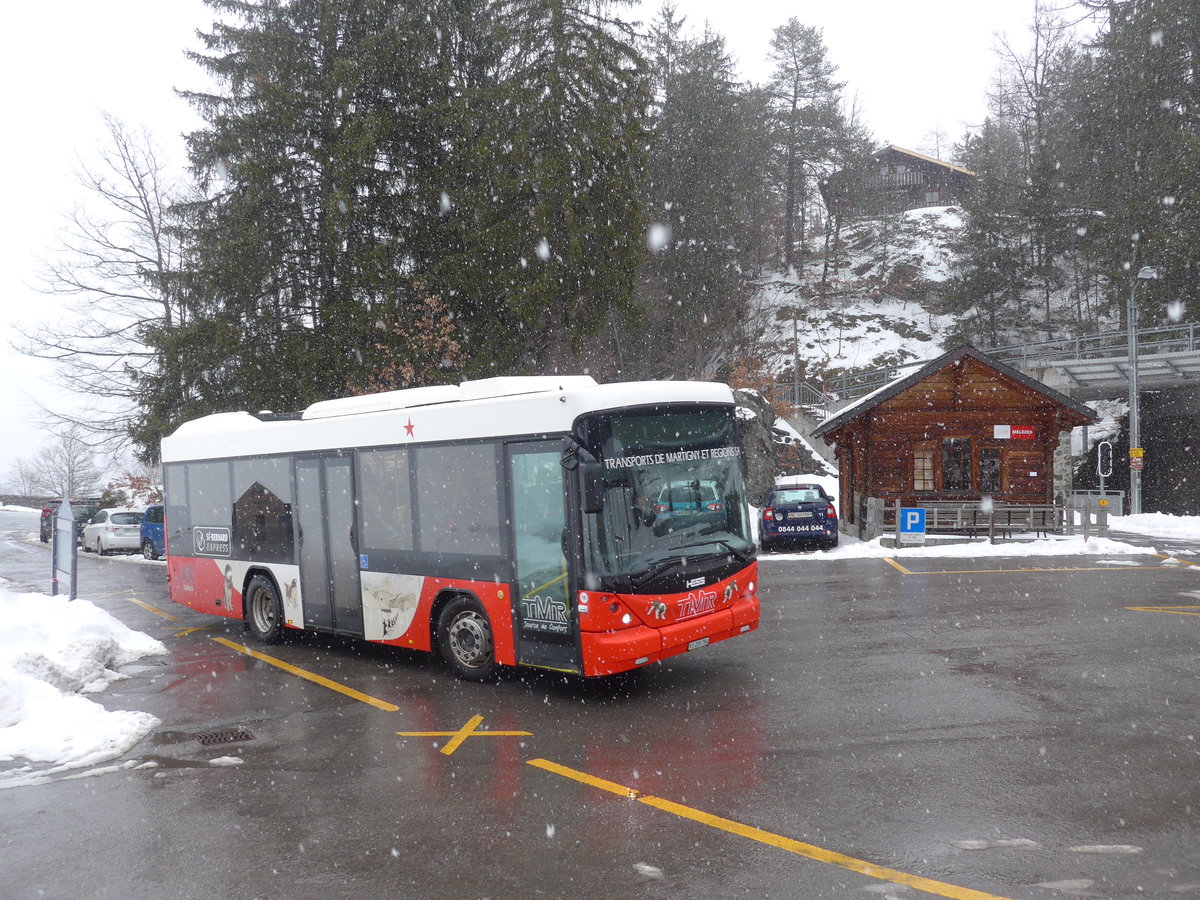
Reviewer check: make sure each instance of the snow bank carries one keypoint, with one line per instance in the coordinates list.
(52, 652)
(852, 548)
(1160, 525)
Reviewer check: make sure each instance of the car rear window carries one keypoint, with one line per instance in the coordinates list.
(126, 518)
(798, 496)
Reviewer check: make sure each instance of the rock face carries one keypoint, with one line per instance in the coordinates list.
(770, 450)
(756, 431)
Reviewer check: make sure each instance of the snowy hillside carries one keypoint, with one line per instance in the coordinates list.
(881, 283)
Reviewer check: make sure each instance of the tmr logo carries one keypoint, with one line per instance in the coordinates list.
(697, 603)
(209, 541)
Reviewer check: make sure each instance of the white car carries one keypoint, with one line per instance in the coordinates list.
(113, 529)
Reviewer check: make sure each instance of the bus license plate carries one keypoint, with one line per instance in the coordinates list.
(696, 645)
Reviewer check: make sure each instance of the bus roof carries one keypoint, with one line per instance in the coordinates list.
(491, 407)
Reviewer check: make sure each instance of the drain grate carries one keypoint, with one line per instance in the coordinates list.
(224, 736)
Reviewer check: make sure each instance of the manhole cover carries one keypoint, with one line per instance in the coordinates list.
(224, 736)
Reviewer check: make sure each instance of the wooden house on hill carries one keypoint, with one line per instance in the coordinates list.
(895, 180)
(962, 427)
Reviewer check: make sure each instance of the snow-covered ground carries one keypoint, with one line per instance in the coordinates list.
(852, 548)
(53, 653)
(1160, 525)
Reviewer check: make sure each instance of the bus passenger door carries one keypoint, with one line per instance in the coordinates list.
(546, 624)
(329, 580)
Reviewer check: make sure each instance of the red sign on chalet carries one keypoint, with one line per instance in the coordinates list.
(1015, 432)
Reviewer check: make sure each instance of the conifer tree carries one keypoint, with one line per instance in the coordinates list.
(805, 100)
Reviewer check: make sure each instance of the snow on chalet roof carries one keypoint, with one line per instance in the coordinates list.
(921, 156)
(896, 386)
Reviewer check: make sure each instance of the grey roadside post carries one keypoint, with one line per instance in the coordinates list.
(63, 551)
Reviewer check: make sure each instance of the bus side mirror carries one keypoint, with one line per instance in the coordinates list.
(592, 479)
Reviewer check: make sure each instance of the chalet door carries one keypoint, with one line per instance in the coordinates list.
(1022, 473)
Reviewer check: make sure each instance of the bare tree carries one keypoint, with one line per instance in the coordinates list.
(66, 468)
(116, 270)
(22, 479)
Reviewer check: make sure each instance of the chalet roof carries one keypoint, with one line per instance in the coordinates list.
(892, 388)
(892, 148)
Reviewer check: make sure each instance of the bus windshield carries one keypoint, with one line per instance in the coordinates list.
(673, 487)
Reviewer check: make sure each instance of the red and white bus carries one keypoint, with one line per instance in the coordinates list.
(535, 521)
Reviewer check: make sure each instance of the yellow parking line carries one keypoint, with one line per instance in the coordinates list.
(153, 609)
(799, 848)
(1177, 559)
(1177, 610)
(895, 565)
(468, 730)
(310, 676)
(1030, 570)
(193, 630)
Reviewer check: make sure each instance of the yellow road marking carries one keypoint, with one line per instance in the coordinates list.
(153, 609)
(194, 629)
(799, 848)
(1032, 570)
(1177, 559)
(468, 730)
(895, 565)
(310, 676)
(1177, 610)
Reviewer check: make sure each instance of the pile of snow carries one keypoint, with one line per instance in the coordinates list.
(1160, 525)
(53, 651)
(852, 548)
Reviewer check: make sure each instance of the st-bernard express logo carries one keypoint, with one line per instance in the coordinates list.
(209, 541)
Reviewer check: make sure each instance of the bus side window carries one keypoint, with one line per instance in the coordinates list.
(458, 499)
(385, 499)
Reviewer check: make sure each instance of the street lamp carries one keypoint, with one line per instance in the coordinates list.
(1136, 456)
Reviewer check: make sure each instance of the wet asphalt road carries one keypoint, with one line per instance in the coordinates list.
(957, 724)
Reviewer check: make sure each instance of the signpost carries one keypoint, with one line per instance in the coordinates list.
(910, 520)
(63, 551)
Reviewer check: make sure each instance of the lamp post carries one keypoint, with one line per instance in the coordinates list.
(1146, 273)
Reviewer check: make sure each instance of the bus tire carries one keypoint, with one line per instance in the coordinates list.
(465, 639)
(264, 611)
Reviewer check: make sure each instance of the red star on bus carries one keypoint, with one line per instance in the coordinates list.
(408, 427)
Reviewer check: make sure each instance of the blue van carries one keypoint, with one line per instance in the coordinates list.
(153, 546)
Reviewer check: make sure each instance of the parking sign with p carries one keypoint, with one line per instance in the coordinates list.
(912, 525)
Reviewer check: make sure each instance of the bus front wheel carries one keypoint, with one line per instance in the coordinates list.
(465, 639)
(264, 612)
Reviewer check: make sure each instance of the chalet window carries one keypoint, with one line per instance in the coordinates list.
(932, 197)
(923, 467)
(883, 170)
(989, 470)
(899, 170)
(956, 464)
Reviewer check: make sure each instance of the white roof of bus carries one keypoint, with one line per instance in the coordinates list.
(489, 407)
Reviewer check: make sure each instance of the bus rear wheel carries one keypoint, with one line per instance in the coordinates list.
(264, 612)
(465, 639)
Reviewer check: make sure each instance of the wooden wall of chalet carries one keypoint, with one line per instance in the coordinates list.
(880, 451)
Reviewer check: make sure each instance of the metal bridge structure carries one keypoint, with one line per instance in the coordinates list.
(1085, 368)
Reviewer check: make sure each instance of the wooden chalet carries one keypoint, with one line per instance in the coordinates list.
(962, 427)
(895, 180)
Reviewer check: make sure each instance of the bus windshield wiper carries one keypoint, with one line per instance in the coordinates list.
(640, 579)
(741, 555)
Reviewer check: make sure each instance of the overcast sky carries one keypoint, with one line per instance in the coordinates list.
(914, 67)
